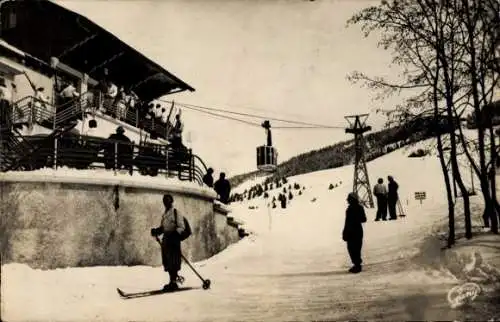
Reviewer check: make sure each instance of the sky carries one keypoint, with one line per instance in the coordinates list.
(277, 59)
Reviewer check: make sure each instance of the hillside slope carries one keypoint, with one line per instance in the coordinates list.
(342, 153)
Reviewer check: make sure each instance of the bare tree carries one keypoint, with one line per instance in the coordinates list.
(477, 20)
(422, 34)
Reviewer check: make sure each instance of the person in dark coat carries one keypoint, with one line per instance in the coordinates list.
(171, 226)
(223, 188)
(392, 197)
(282, 199)
(353, 231)
(124, 153)
(380, 193)
(208, 179)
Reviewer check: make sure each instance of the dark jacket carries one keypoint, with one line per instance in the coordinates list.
(393, 190)
(354, 217)
(208, 180)
(223, 189)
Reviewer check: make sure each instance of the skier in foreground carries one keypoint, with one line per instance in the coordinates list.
(174, 230)
(353, 231)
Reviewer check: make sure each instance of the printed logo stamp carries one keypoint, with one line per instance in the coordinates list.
(463, 294)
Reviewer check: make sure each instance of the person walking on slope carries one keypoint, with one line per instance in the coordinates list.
(172, 226)
(392, 197)
(380, 193)
(353, 231)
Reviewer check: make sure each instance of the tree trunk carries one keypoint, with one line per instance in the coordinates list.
(451, 205)
(495, 214)
(457, 176)
(473, 69)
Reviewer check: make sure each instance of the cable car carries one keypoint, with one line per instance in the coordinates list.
(267, 156)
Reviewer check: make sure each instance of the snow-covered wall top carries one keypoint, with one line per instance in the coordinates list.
(108, 178)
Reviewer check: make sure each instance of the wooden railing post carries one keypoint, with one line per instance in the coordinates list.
(116, 158)
(54, 165)
(31, 114)
(55, 117)
(191, 165)
(166, 160)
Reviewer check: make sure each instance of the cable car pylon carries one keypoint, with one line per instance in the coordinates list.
(361, 184)
(267, 156)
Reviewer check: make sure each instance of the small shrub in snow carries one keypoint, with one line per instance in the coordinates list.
(419, 153)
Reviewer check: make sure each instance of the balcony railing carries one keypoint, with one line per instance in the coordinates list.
(30, 110)
(86, 152)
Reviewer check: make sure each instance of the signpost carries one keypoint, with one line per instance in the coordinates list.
(420, 195)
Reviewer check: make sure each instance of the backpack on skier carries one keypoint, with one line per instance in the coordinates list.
(187, 228)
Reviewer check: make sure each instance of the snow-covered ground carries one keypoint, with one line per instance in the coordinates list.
(292, 267)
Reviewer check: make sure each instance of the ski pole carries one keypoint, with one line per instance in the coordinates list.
(206, 282)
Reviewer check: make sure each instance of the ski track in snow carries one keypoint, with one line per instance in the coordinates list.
(292, 267)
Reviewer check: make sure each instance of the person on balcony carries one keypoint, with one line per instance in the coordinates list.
(164, 116)
(68, 94)
(109, 98)
(5, 102)
(176, 137)
(124, 151)
(120, 103)
(41, 111)
(132, 101)
(158, 112)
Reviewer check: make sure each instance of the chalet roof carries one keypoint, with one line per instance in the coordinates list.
(44, 30)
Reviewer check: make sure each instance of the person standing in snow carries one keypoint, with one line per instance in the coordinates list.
(352, 233)
(208, 179)
(380, 193)
(171, 226)
(392, 197)
(223, 188)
